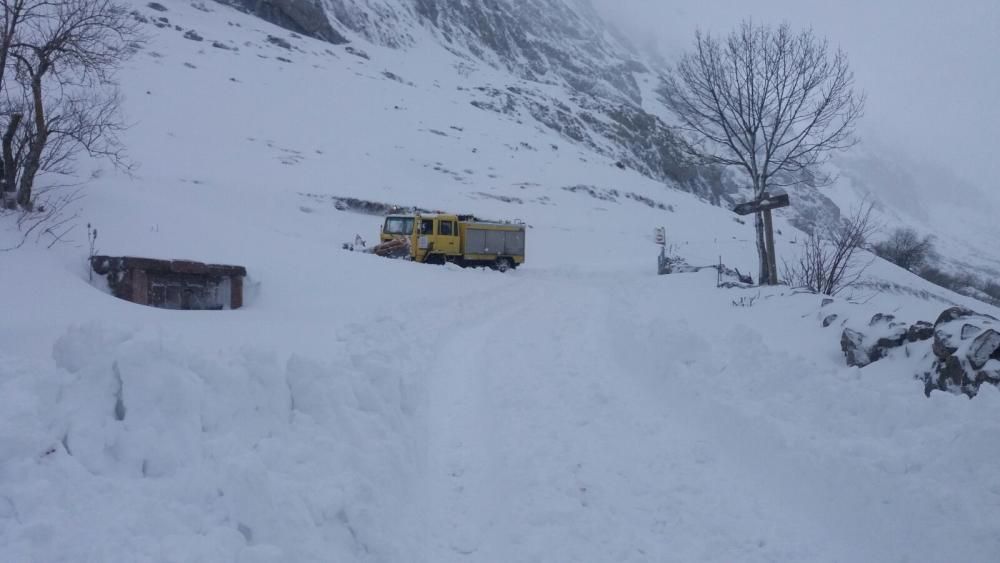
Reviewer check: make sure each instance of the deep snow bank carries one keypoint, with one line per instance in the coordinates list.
(134, 446)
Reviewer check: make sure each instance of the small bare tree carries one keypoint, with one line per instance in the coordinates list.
(766, 100)
(906, 248)
(831, 262)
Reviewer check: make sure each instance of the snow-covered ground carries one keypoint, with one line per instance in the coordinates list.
(580, 408)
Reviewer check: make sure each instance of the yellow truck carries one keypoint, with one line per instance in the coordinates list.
(461, 239)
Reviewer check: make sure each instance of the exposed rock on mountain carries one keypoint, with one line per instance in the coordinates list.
(301, 16)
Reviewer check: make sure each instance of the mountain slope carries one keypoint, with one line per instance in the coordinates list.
(584, 80)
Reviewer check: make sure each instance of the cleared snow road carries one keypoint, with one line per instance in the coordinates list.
(588, 422)
(545, 445)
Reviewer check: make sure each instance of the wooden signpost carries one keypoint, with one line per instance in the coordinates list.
(764, 205)
(662, 265)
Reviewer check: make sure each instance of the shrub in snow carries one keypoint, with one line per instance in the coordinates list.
(906, 248)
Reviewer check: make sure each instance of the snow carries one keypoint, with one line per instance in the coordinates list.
(580, 408)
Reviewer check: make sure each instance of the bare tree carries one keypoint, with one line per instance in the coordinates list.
(766, 100)
(69, 52)
(906, 249)
(831, 262)
(64, 99)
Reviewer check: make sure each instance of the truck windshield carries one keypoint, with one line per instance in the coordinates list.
(399, 225)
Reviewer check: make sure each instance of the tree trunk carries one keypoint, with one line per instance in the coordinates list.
(33, 160)
(9, 166)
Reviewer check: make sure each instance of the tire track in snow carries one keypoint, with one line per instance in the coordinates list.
(537, 452)
(461, 466)
(491, 431)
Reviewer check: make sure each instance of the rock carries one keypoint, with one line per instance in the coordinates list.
(881, 318)
(283, 43)
(826, 302)
(991, 376)
(852, 344)
(886, 343)
(943, 347)
(948, 336)
(829, 320)
(983, 348)
(862, 349)
(357, 53)
(193, 35)
(952, 314)
(301, 16)
(951, 373)
(970, 330)
(921, 330)
(156, 6)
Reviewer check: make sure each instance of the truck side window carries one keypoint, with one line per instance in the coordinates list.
(426, 226)
(444, 228)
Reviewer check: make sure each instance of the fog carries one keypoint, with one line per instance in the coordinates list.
(931, 69)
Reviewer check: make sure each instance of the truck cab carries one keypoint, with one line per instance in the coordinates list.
(397, 226)
(437, 238)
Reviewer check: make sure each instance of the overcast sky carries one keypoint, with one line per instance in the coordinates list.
(931, 68)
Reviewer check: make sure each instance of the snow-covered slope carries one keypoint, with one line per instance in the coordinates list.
(580, 408)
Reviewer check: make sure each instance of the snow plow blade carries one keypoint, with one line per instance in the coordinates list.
(395, 248)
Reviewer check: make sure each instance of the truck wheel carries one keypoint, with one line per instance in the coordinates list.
(503, 264)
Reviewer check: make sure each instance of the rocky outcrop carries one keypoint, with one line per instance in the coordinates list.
(963, 351)
(548, 41)
(301, 16)
(966, 352)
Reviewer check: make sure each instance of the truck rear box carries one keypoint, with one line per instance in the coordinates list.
(507, 241)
